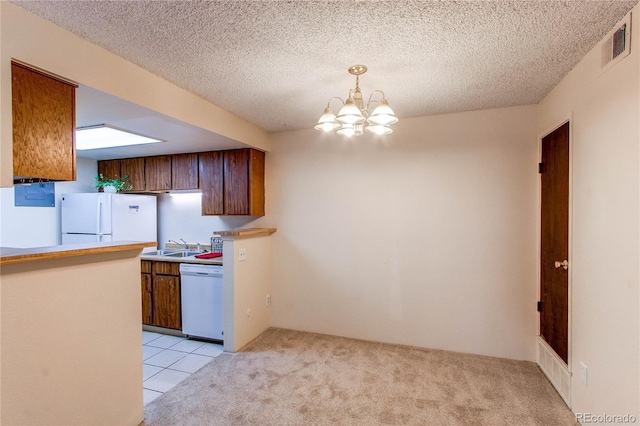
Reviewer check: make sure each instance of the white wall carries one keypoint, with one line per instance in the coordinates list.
(426, 237)
(40, 226)
(605, 186)
(180, 217)
(246, 286)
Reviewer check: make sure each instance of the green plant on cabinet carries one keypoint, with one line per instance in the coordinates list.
(113, 185)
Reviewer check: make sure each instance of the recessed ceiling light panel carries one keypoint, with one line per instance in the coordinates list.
(106, 136)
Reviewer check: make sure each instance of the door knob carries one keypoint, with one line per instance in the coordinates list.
(564, 264)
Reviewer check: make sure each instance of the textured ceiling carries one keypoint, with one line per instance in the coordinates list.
(277, 63)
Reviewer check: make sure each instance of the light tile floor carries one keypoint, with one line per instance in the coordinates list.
(168, 360)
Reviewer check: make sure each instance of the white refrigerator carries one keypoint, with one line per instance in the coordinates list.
(100, 217)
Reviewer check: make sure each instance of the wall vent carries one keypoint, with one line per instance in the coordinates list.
(555, 370)
(616, 45)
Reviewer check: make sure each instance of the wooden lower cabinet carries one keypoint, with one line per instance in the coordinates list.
(166, 302)
(161, 294)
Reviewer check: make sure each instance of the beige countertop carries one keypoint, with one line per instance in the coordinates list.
(251, 232)
(10, 255)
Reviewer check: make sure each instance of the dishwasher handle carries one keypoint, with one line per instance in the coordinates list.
(200, 270)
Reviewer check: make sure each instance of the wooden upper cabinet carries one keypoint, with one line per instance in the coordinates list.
(244, 182)
(157, 171)
(44, 120)
(110, 169)
(135, 169)
(211, 182)
(232, 182)
(184, 171)
(256, 182)
(236, 182)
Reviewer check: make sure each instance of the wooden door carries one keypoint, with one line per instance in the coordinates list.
(134, 169)
(157, 171)
(184, 171)
(554, 279)
(166, 302)
(211, 182)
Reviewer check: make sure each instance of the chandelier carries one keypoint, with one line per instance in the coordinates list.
(375, 116)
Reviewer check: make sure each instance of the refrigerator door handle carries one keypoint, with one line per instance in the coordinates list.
(99, 216)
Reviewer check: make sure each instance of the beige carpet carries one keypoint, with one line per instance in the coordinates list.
(288, 377)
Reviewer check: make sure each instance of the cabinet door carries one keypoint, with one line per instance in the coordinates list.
(166, 302)
(184, 171)
(110, 169)
(166, 268)
(146, 299)
(157, 171)
(244, 182)
(44, 121)
(211, 182)
(256, 183)
(134, 168)
(236, 182)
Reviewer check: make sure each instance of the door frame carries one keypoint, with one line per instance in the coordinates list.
(569, 368)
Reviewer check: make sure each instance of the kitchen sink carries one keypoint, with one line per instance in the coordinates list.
(161, 253)
(183, 253)
(172, 253)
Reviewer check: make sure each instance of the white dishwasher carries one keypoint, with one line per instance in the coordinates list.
(202, 306)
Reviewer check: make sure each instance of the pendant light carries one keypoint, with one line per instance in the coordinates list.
(355, 116)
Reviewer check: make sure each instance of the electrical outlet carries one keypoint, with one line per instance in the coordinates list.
(267, 300)
(242, 254)
(583, 373)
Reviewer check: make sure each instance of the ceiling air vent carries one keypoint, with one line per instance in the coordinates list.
(616, 44)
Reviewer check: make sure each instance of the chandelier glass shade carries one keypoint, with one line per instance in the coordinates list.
(355, 116)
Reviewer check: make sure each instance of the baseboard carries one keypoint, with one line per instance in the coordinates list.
(555, 369)
(162, 330)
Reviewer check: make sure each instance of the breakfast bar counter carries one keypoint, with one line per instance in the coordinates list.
(9, 255)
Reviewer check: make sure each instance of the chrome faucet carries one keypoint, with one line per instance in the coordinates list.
(185, 244)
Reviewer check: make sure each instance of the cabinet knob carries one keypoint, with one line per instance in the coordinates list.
(564, 264)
